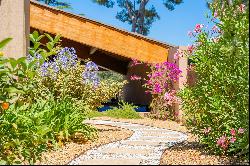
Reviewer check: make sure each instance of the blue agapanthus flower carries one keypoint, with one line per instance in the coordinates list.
(90, 75)
(65, 59)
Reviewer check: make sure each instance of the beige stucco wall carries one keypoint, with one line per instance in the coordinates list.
(14, 23)
(182, 63)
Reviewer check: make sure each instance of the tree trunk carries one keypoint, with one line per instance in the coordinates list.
(133, 25)
(142, 15)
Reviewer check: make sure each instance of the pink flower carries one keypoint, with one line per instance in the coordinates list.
(176, 55)
(233, 139)
(190, 34)
(135, 62)
(233, 132)
(190, 49)
(223, 142)
(167, 96)
(134, 77)
(149, 82)
(207, 130)
(241, 130)
(157, 88)
(215, 14)
(198, 28)
(215, 28)
(242, 7)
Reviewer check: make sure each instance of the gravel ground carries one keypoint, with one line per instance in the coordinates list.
(64, 155)
(187, 153)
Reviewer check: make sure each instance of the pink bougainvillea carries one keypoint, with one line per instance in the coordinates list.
(159, 83)
(135, 77)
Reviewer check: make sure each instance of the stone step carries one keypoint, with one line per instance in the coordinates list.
(121, 150)
(110, 162)
(141, 143)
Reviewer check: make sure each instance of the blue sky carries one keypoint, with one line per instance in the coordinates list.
(171, 28)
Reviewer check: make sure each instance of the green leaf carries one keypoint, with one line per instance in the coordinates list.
(4, 43)
(14, 90)
(49, 37)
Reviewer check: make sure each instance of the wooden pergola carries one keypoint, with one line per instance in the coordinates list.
(106, 45)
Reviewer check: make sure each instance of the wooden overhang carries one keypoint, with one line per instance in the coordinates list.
(96, 35)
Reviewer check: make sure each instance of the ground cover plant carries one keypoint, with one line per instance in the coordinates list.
(216, 107)
(123, 110)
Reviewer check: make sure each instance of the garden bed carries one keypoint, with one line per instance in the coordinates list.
(188, 153)
(62, 156)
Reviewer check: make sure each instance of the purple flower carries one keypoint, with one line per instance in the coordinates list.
(90, 74)
(91, 66)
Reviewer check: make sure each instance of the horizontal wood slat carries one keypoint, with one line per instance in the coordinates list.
(96, 35)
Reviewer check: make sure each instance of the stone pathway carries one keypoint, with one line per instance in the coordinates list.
(144, 147)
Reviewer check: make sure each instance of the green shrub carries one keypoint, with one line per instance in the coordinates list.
(27, 131)
(124, 110)
(66, 76)
(216, 107)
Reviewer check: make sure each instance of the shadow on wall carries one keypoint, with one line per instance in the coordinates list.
(134, 92)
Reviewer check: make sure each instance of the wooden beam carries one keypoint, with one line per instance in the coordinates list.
(93, 50)
(96, 35)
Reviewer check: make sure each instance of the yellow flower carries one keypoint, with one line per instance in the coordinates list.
(1, 53)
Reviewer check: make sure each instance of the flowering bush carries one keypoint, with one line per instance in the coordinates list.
(63, 75)
(216, 107)
(159, 84)
(44, 98)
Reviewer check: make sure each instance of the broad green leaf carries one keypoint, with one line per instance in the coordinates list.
(4, 42)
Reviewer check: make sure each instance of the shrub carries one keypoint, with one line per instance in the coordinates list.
(65, 76)
(124, 110)
(27, 131)
(159, 84)
(216, 107)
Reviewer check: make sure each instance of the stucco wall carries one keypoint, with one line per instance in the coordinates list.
(14, 23)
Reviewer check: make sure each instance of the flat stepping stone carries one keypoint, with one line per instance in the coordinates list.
(141, 143)
(157, 139)
(157, 134)
(127, 151)
(110, 162)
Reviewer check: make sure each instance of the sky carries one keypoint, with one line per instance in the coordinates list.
(172, 28)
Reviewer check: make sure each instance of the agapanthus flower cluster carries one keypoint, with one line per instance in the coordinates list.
(36, 57)
(90, 74)
(64, 60)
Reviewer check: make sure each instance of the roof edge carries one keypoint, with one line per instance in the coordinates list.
(106, 25)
